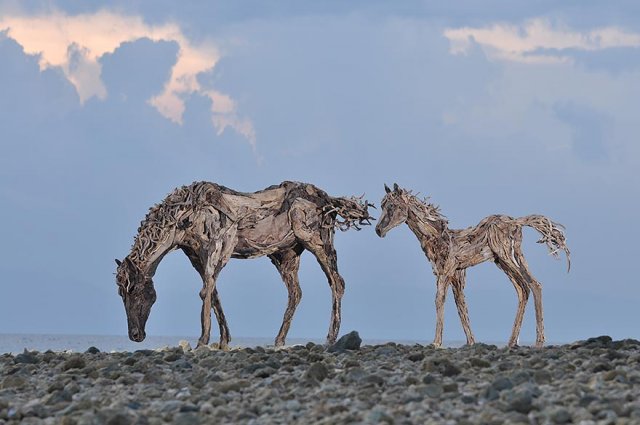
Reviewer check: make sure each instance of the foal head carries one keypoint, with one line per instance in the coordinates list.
(396, 206)
(395, 209)
(138, 295)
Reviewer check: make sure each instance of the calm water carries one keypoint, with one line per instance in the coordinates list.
(16, 343)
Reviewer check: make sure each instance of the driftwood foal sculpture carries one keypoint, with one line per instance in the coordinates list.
(211, 224)
(496, 238)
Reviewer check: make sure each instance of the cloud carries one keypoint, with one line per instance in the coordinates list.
(526, 43)
(76, 43)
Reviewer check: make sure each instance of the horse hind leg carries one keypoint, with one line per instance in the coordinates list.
(288, 263)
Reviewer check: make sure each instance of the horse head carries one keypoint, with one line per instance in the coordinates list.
(138, 295)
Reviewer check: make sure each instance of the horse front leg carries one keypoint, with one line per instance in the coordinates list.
(307, 227)
(225, 335)
(216, 258)
(326, 256)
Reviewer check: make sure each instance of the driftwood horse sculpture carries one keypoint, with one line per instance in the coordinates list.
(496, 238)
(211, 224)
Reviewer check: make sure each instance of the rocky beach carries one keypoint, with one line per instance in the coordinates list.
(595, 381)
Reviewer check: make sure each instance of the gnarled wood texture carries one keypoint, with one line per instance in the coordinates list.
(211, 224)
(496, 238)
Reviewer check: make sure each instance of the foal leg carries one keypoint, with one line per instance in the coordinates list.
(522, 289)
(441, 295)
(288, 262)
(536, 288)
(458, 283)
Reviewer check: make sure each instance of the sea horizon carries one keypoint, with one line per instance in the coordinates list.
(14, 343)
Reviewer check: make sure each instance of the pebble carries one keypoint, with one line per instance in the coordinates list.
(595, 381)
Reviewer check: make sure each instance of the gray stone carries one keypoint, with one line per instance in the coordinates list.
(13, 381)
(502, 383)
(386, 350)
(74, 362)
(416, 357)
(379, 416)
(34, 408)
(186, 418)
(58, 396)
(560, 415)
(520, 401)
(429, 379)
(119, 418)
(350, 341)
(542, 376)
(478, 362)
(520, 376)
(233, 385)
(264, 372)
(374, 379)
(172, 357)
(433, 390)
(27, 357)
(317, 371)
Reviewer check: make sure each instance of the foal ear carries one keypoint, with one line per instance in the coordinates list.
(396, 187)
(386, 188)
(118, 262)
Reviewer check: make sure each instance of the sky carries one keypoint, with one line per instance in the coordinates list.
(509, 107)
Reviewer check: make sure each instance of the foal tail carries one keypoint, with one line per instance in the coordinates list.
(552, 235)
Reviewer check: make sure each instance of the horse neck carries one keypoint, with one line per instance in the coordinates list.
(151, 245)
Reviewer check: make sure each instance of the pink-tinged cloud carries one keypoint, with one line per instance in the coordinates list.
(75, 44)
(526, 43)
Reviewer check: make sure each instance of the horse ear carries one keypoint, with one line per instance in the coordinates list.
(386, 188)
(396, 187)
(118, 262)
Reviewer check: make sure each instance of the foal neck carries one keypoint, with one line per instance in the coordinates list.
(425, 220)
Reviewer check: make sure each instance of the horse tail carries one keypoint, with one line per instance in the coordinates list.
(552, 235)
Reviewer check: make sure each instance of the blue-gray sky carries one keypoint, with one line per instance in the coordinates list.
(508, 107)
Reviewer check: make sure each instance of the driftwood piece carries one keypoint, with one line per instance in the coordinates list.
(211, 224)
(496, 238)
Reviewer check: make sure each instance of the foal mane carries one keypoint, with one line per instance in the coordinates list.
(425, 208)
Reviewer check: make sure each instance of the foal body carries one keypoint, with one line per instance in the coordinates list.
(496, 238)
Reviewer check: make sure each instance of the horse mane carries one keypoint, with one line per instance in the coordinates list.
(163, 216)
